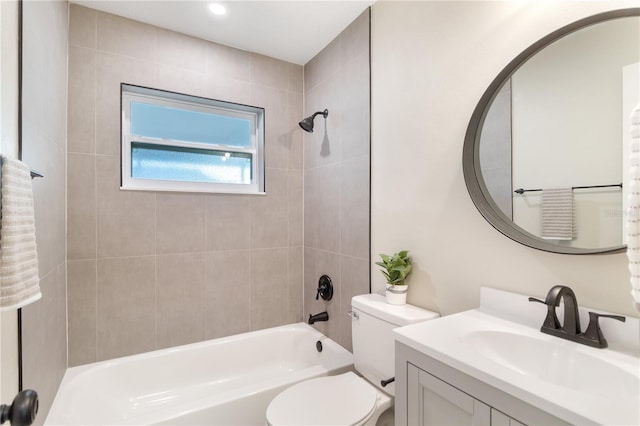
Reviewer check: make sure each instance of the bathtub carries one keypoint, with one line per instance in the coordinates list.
(226, 381)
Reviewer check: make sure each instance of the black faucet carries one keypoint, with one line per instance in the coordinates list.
(322, 316)
(570, 328)
(571, 323)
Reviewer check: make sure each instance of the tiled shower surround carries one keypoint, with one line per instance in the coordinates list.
(336, 177)
(44, 104)
(149, 270)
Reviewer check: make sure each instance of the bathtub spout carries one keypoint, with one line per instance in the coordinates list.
(322, 316)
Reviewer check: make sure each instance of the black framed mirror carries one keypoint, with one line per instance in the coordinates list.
(525, 135)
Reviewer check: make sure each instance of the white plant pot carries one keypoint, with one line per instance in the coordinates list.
(397, 294)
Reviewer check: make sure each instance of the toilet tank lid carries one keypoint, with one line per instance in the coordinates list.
(377, 306)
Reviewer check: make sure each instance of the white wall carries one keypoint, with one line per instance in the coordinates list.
(9, 78)
(431, 62)
(9, 147)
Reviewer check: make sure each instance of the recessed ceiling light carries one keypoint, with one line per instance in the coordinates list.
(217, 9)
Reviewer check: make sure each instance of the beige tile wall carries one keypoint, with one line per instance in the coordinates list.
(44, 105)
(336, 177)
(149, 270)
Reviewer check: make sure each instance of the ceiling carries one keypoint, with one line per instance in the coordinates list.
(293, 31)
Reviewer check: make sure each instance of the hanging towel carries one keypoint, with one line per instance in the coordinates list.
(19, 282)
(558, 214)
(633, 209)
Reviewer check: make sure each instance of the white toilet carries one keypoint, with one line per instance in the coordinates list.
(348, 399)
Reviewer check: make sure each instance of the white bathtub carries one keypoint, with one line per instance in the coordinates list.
(226, 381)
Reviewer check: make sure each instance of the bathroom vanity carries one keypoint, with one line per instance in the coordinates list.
(492, 366)
(437, 394)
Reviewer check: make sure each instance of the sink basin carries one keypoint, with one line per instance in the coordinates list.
(575, 383)
(553, 362)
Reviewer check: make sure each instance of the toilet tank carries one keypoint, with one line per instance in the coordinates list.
(373, 343)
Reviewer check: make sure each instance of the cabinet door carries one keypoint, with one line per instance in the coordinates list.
(433, 402)
(500, 419)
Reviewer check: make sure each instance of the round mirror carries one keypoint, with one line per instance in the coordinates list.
(545, 153)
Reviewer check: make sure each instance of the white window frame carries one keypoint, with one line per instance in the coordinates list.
(131, 93)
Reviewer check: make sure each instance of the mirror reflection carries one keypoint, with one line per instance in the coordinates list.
(561, 122)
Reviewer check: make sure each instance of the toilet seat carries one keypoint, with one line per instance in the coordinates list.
(331, 400)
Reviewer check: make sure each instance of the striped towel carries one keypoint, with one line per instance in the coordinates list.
(19, 282)
(633, 212)
(558, 214)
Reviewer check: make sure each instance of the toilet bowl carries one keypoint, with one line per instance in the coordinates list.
(350, 399)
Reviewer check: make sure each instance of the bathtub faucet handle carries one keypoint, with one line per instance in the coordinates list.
(325, 288)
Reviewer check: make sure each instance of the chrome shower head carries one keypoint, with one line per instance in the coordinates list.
(307, 123)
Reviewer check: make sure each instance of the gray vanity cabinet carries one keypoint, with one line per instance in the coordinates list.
(430, 401)
(429, 392)
(501, 419)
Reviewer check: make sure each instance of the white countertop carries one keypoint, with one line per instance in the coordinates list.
(608, 394)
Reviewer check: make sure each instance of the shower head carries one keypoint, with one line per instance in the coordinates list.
(307, 123)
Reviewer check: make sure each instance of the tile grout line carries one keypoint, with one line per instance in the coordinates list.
(66, 201)
(289, 202)
(155, 210)
(95, 177)
(206, 268)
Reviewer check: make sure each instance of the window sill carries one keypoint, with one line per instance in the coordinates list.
(190, 190)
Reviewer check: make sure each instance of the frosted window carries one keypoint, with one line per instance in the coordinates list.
(188, 164)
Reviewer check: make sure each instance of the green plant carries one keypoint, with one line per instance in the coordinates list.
(396, 268)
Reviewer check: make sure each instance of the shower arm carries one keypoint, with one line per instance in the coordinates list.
(324, 113)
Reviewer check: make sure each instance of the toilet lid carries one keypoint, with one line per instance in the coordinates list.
(333, 400)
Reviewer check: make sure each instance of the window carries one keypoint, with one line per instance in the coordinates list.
(176, 142)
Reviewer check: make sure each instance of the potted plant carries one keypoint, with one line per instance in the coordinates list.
(397, 269)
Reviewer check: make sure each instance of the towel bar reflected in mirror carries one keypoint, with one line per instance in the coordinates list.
(35, 174)
(521, 191)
